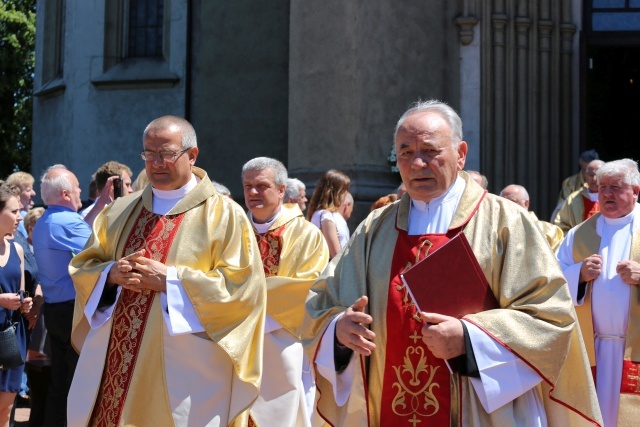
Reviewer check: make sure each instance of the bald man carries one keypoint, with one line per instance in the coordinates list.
(518, 194)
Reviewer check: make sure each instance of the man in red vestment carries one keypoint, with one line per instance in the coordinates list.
(381, 362)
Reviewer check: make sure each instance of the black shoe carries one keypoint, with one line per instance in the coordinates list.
(22, 401)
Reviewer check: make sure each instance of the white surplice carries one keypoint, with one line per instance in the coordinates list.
(609, 304)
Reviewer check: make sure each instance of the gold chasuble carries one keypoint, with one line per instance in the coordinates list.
(535, 321)
(577, 208)
(569, 185)
(586, 242)
(131, 375)
(294, 253)
(552, 233)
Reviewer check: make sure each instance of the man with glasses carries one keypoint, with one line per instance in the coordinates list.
(171, 299)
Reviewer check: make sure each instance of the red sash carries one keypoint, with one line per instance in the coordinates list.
(590, 208)
(154, 233)
(416, 385)
(270, 245)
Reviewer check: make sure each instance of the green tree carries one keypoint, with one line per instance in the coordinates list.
(17, 53)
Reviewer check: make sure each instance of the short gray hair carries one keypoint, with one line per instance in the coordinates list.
(262, 163)
(187, 131)
(292, 191)
(220, 188)
(448, 114)
(50, 188)
(627, 168)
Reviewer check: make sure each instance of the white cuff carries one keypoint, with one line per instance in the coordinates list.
(325, 363)
(503, 376)
(98, 317)
(178, 312)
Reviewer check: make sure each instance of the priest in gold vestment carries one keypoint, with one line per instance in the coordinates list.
(582, 204)
(170, 303)
(575, 182)
(294, 253)
(380, 362)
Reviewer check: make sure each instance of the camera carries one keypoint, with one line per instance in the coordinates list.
(117, 188)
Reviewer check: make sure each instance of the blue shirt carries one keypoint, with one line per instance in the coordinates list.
(58, 236)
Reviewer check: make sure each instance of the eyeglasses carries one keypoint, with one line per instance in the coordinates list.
(165, 156)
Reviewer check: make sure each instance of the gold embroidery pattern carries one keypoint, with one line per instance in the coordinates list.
(415, 395)
(270, 246)
(154, 234)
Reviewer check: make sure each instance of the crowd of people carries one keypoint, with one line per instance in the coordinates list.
(161, 301)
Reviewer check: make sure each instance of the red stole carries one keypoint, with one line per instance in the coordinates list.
(153, 233)
(270, 245)
(590, 208)
(416, 385)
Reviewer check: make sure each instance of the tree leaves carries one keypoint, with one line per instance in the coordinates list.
(17, 53)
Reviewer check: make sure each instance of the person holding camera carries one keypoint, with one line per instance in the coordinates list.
(113, 180)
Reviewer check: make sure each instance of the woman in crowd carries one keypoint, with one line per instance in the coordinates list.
(323, 209)
(11, 282)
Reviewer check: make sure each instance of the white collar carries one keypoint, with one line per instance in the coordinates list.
(177, 193)
(264, 227)
(452, 193)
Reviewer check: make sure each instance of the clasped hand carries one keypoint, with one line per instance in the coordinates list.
(137, 273)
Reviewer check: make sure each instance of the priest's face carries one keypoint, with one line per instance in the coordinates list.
(169, 164)
(427, 158)
(616, 197)
(261, 194)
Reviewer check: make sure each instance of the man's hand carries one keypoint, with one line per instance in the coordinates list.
(591, 268)
(629, 272)
(350, 329)
(138, 273)
(443, 335)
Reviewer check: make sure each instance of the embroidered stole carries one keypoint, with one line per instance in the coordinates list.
(416, 385)
(270, 246)
(154, 233)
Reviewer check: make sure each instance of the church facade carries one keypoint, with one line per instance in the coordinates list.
(321, 85)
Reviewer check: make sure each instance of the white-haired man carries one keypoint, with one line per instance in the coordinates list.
(171, 300)
(601, 261)
(294, 253)
(296, 192)
(519, 364)
(518, 194)
(58, 236)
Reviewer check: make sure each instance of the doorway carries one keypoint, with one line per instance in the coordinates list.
(611, 122)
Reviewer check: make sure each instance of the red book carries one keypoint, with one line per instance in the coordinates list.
(450, 281)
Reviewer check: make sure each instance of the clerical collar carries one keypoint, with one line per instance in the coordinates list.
(623, 220)
(593, 196)
(178, 193)
(264, 227)
(165, 200)
(435, 216)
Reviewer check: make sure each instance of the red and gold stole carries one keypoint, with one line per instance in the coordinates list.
(153, 233)
(590, 208)
(416, 385)
(270, 245)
